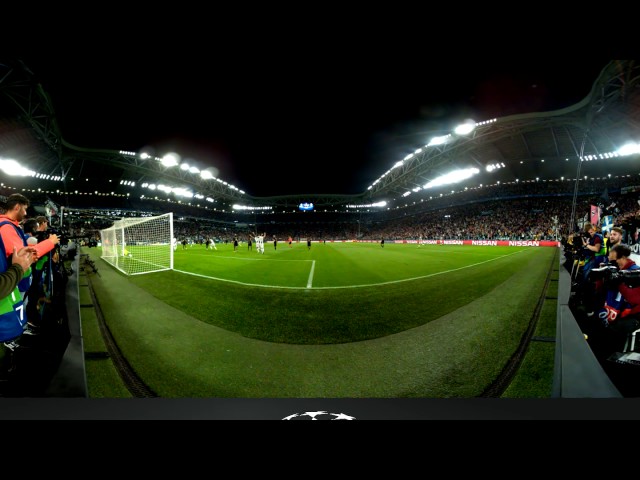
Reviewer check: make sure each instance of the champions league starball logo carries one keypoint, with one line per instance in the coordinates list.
(319, 415)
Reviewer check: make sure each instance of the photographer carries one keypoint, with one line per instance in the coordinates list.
(571, 251)
(593, 252)
(621, 311)
(37, 292)
(594, 249)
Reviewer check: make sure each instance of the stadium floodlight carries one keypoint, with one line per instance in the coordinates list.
(182, 192)
(494, 166)
(438, 140)
(139, 245)
(245, 207)
(452, 177)
(629, 149)
(465, 128)
(170, 160)
(184, 166)
(13, 168)
(368, 205)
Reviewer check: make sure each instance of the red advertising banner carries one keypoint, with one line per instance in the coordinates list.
(490, 243)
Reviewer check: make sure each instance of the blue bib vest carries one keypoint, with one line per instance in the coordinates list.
(12, 314)
(25, 283)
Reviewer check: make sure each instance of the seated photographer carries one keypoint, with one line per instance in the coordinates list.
(621, 310)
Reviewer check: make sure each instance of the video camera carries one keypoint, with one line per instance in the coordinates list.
(65, 249)
(613, 276)
(62, 235)
(576, 248)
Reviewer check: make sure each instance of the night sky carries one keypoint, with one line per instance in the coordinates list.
(275, 122)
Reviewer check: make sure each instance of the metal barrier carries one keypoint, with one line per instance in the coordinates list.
(71, 380)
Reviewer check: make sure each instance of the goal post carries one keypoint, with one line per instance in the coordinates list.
(139, 245)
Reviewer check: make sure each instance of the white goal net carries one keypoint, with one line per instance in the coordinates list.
(139, 245)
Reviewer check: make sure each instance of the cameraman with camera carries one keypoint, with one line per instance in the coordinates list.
(37, 292)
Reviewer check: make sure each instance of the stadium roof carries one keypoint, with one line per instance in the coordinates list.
(540, 144)
(545, 144)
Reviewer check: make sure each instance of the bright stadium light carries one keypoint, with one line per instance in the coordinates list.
(170, 160)
(438, 140)
(383, 203)
(13, 168)
(465, 128)
(182, 192)
(629, 149)
(452, 177)
(245, 207)
(494, 166)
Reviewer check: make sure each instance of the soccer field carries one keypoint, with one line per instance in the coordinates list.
(333, 265)
(338, 320)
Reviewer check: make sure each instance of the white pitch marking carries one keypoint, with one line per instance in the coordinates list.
(310, 280)
(352, 286)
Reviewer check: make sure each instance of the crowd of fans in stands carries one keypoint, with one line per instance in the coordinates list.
(517, 211)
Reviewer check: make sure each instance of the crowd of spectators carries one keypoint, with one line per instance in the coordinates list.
(515, 211)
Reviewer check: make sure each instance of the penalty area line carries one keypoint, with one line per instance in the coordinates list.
(350, 286)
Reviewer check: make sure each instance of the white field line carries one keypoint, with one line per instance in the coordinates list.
(261, 258)
(351, 286)
(310, 280)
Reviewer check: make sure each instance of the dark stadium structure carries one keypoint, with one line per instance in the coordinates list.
(601, 123)
(567, 145)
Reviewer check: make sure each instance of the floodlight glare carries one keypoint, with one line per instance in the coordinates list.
(170, 160)
(452, 177)
(465, 128)
(13, 168)
(438, 140)
(629, 149)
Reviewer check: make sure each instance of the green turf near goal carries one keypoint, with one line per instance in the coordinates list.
(139, 245)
